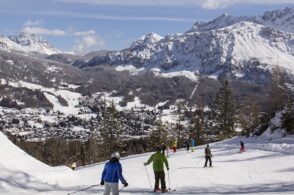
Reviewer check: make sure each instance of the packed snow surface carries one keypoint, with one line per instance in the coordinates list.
(266, 167)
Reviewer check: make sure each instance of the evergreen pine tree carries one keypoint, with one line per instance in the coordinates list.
(111, 131)
(248, 116)
(159, 134)
(288, 115)
(224, 111)
(197, 125)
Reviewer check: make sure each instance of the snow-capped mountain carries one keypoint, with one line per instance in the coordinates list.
(27, 43)
(222, 21)
(282, 19)
(148, 39)
(237, 48)
(9, 45)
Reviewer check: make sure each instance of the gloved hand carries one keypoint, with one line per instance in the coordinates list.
(126, 184)
(102, 183)
(145, 164)
(167, 168)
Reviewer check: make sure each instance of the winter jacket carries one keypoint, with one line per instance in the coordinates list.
(175, 144)
(207, 152)
(242, 144)
(158, 159)
(193, 142)
(112, 172)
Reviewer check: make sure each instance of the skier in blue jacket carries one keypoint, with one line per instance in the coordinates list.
(111, 174)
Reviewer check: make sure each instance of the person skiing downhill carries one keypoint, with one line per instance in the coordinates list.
(187, 145)
(175, 146)
(73, 166)
(242, 149)
(158, 160)
(111, 174)
(193, 144)
(208, 156)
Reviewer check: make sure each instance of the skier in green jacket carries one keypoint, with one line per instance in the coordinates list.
(158, 160)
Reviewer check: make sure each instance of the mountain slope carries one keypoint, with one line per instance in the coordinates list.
(234, 49)
(254, 171)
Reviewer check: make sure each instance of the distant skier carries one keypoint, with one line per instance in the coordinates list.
(242, 149)
(167, 151)
(73, 166)
(187, 145)
(193, 144)
(208, 156)
(175, 143)
(158, 160)
(111, 174)
(163, 148)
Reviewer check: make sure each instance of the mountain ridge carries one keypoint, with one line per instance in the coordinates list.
(27, 43)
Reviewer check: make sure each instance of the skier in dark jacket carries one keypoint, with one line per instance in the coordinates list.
(208, 156)
(158, 160)
(187, 143)
(111, 174)
(242, 149)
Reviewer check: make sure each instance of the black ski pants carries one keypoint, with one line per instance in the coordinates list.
(207, 158)
(159, 175)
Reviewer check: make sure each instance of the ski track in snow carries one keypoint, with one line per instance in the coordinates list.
(252, 172)
(194, 90)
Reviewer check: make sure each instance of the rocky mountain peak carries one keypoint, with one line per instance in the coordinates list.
(222, 21)
(276, 14)
(150, 38)
(33, 43)
(282, 19)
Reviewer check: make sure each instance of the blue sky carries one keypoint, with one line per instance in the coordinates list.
(87, 25)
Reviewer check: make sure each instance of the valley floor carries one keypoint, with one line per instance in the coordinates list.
(256, 171)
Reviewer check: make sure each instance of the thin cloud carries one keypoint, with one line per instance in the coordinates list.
(149, 3)
(217, 4)
(43, 31)
(205, 4)
(118, 18)
(103, 17)
(85, 33)
(33, 23)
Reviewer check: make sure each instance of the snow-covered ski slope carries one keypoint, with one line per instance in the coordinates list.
(256, 171)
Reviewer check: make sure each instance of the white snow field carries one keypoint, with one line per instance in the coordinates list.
(258, 170)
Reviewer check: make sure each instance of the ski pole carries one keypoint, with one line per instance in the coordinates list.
(83, 189)
(148, 176)
(168, 179)
(121, 189)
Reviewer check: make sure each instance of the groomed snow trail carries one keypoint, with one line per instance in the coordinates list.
(253, 172)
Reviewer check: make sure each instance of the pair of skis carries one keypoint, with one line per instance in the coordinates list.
(169, 191)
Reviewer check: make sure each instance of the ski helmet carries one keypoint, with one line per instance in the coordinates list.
(115, 155)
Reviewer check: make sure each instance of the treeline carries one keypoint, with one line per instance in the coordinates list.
(56, 151)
